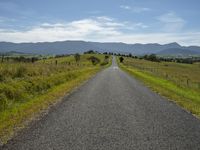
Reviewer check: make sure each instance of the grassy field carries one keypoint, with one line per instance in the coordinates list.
(178, 82)
(27, 89)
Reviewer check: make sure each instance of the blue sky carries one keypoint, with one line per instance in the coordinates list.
(128, 21)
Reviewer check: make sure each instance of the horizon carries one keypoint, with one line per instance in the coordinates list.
(128, 22)
(93, 42)
(98, 42)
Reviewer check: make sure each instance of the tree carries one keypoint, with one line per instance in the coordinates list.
(33, 59)
(146, 57)
(129, 55)
(121, 59)
(77, 57)
(94, 60)
(106, 56)
(153, 57)
(90, 52)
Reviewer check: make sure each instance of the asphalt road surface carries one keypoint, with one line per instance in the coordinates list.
(112, 111)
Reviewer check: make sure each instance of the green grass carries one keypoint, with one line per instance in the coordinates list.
(27, 89)
(186, 97)
(183, 75)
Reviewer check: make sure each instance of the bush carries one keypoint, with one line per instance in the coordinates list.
(121, 59)
(77, 57)
(106, 57)
(151, 57)
(106, 60)
(14, 91)
(90, 52)
(94, 60)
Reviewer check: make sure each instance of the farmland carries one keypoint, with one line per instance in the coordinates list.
(27, 88)
(178, 82)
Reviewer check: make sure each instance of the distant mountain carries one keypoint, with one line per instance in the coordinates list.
(65, 47)
(178, 51)
(11, 52)
(68, 47)
(193, 48)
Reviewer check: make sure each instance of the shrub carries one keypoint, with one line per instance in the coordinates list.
(8, 91)
(151, 57)
(14, 91)
(121, 59)
(94, 60)
(129, 55)
(90, 52)
(106, 60)
(106, 57)
(77, 57)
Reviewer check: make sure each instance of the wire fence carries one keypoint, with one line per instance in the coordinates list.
(180, 80)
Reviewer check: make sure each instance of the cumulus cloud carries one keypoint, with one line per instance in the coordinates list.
(97, 28)
(100, 29)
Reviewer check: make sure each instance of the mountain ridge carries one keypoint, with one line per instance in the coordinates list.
(68, 47)
(178, 51)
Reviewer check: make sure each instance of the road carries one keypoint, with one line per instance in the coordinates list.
(112, 111)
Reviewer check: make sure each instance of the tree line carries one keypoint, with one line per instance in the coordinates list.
(155, 58)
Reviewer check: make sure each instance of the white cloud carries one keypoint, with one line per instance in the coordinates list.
(76, 30)
(101, 29)
(141, 25)
(125, 7)
(135, 9)
(171, 22)
(187, 38)
(105, 18)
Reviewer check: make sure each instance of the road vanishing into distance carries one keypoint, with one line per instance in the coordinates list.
(112, 111)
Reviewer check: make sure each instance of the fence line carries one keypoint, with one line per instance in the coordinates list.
(186, 82)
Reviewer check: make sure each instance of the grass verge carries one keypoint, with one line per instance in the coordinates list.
(14, 119)
(185, 97)
(29, 89)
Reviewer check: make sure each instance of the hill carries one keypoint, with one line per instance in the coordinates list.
(178, 51)
(68, 47)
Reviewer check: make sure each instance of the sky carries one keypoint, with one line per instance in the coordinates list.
(128, 21)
